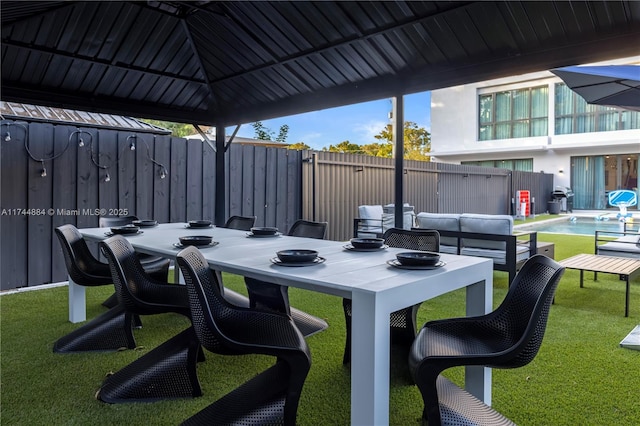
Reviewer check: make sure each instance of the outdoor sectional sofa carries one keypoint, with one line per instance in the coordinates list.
(482, 235)
(619, 244)
(374, 220)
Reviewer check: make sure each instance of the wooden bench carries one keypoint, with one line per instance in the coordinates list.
(627, 268)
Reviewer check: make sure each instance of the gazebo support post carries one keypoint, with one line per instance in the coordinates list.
(397, 117)
(221, 180)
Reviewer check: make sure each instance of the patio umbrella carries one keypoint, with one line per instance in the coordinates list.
(611, 85)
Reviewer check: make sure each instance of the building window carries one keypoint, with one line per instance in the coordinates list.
(523, 165)
(511, 114)
(574, 115)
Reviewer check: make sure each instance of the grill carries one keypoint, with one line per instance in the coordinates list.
(563, 195)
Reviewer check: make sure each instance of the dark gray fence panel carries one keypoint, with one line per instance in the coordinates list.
(75, 190)
(40, 197)
(234, 179)
(278, 210)
(127, 172)
(14, 181)
(264, 182)
(178, 199)
(248, 181)
(88, 180)
(14, 197)
(269, 183)
(144, 182)
(64, 179)
(261, 183)
(108, 154)
(270, 208)
(291, 193)
(208, 181)
(162, 199)
(194, 192)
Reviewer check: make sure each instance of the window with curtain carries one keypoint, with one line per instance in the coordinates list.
(523, 165)
(588, 182)
(511, 114)
(574, 115)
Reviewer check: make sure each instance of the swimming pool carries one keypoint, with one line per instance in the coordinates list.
(581, 226)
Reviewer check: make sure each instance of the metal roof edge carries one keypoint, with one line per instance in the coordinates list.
(28, 112)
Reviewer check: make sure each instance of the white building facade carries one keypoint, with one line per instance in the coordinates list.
(534, 122)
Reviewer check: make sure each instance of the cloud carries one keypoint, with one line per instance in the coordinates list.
(365, 132)
(314, 140)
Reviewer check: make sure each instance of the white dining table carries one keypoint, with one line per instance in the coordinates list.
(375, 288)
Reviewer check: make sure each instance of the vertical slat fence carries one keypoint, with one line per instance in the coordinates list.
(278, 186)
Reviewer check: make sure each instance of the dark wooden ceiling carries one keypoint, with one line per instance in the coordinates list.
(234, 62)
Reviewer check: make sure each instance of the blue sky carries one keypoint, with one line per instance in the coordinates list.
(356, 123)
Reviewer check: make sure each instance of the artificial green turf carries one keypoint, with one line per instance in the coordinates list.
(580, 376)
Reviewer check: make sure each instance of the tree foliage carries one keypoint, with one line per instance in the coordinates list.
(345, 146)
(179, 130)
(266, 134)
(378, 149)
(417, 144)
(299, 146)
(417, 140)
(283, 133)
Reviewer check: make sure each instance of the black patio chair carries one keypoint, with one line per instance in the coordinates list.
(243, 223)
(169, 370)
(508, 337)
(308, 229)
(147, 259)
(403, 322)
(109, 221)
(264, 295)
(272, 397)
(112, 329)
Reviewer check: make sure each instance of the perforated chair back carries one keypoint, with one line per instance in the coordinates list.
(225, 328)
(525, 310)
(108, 331)
(268, 295)
(413, 239)
(216, 320)
(205, 298)
(137, 291)
(403, 322)
(109, 221)
(508, 337)
(82, 266)
(308, 229)
(243, 223)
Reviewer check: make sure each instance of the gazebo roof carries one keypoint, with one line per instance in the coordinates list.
(233, 62)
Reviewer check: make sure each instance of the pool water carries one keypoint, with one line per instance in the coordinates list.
(582, 226)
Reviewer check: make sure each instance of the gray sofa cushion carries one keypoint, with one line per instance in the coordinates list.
(627, 246)
(374, 213)
(441, 222)
(389, 217)
(486, 224)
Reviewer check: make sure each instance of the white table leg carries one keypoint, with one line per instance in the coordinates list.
(369, 361)
(479, 302)
(77, 302)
